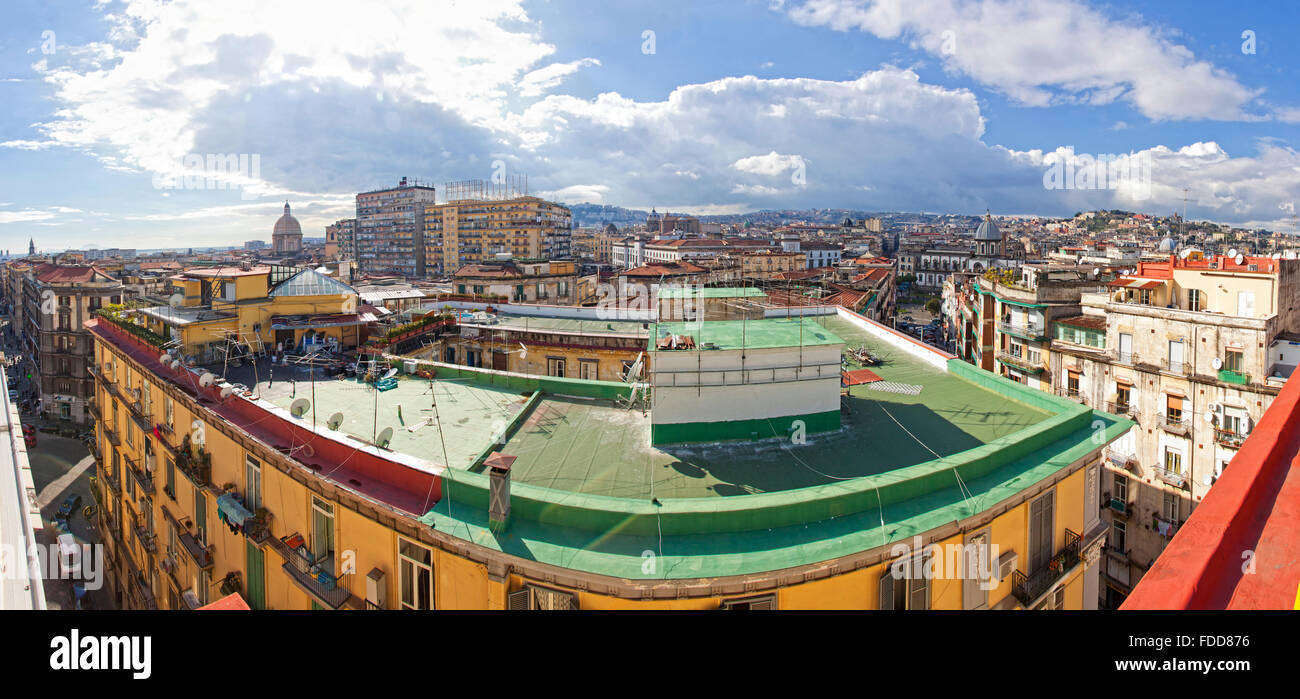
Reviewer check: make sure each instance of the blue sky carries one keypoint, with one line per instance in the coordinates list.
(950, 105)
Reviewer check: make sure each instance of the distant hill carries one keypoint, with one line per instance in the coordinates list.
(595, 215)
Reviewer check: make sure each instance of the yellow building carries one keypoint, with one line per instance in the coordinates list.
(474, 230)
(256, 309)
(766, 264)
(498, 490)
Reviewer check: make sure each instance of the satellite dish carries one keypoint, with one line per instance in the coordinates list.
(385, 437)
(1240, 259)
(390, 373)
(1217, 363)
(306, 450)
(299, 407)
(1185, 253)
(165, 358)
(1209, 417)
(335, 420)
(226, 391)
(1232, 252)
(207, 379)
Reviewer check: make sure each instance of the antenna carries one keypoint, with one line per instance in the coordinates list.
(299, 407)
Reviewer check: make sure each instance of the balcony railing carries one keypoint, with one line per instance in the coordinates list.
(1120, 507)
(1019, 363)
(1173, 367)
(1229, 438)
(148, 540)
(1169, 476)
(142, 476)
(1071, 393)
(111, 434)
(1029, 588)
(197, 552)
(1237, 377)
(311, 575)
(1176, 424)
(1029, 332)
(1123, 357)
(1117, 408)
(198, 470)
(111, 482)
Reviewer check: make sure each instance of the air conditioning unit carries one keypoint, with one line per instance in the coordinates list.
(376, 590)
(1215, 407)
(1007, 564)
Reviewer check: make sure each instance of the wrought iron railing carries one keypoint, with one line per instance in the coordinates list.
(1029, 588)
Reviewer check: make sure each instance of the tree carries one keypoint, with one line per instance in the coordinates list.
(933, 306)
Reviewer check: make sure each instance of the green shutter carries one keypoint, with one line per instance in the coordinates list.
(256, 577)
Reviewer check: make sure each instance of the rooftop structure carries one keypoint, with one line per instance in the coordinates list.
(20, 517)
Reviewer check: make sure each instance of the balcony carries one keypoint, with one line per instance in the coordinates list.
(1229, 439)
(111, 482)
(148, 540)
(1123, 357)
(1028, 332)
(142, 476)
(1028, 589)
(197, 552)
(198, 470)
(1170, 477)
(1118, 408)
(313, 575)
(1173, 367)
(1121, 508)
(1176, 424)
(111, 435)
(1234, 377)
(1019, 363)
(1071, 393)
(1165, 527)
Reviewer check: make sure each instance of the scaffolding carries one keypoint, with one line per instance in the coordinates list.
(500, 188)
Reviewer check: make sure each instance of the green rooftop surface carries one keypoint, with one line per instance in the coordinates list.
(750, 334)
(595, 448)
(470, 414)
(691, 292)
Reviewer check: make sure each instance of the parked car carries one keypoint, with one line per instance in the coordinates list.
(70, 505)
(69, 557)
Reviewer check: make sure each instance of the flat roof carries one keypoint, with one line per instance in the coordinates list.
(690, 292)
(750, 334)
(552, 324)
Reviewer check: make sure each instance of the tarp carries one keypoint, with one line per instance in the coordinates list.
(230, 602)
(234, 511)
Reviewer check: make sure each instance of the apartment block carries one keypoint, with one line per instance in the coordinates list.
(389, 230)
(466, 231)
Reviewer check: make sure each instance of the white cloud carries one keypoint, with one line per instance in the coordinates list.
(542, 80)
(1049, 52)
(771, 164)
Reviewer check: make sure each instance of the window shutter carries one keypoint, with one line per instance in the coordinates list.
(518, 601)
(887, 588)
(1175, 402)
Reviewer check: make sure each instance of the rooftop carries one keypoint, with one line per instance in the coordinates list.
(751, 334)
(691, 292)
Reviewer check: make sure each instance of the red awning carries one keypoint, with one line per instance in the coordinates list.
(231, 601)
(858, 376)
(1131, 283)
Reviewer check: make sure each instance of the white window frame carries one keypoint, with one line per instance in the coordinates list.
(407, 565)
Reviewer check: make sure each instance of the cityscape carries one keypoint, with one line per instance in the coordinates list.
(852, 308)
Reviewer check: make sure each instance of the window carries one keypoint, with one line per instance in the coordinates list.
(536, 597)
(1171, 507)
(587, 369)
(1118, 536)
(322, 529)
(1193, 299)
(903, 583)
(1120, 488)
(170, 488)
(1125, 348)
(1054, 601)
(200, 516)
(1176, 355)
(1173, 461)
(415, 571)
(1041, 527)
(555, 366)
(762, 602)
(1072, 383)
(252, 484)
(1144, 297)
(170, 412)
(1123, 394)
(1174, 409)
(1232, 360)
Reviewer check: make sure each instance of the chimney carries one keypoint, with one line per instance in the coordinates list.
(498, 466)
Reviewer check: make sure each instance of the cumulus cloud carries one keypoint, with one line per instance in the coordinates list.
(544, 79)
(1062, 51)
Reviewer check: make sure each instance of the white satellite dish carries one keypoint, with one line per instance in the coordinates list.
(1185, 252)
(385, 437)
(165, 358)
(207, 379)
(1217, 363)
(390, 373)
(335, 420)
(226, 391)
(1240, 259)
(1232, 252)
(299, 407)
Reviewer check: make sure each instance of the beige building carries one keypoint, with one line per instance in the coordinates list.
(1194, 350)
(767, 263)
(466, 231)
(522, 281)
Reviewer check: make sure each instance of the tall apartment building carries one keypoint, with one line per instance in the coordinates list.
(466, 231)
(1194, 350)
(340, 240)
(57, 300)
(389, 230)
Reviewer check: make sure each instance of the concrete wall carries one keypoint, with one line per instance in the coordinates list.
(897, 340)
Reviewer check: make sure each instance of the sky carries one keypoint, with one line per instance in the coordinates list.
(124, 122)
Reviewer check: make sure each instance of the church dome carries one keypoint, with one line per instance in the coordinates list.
(287, 224)
(1167, 245)
(988, 230)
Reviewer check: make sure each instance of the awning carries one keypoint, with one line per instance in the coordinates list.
(1137, 283)
(235, 512)
(231, 601)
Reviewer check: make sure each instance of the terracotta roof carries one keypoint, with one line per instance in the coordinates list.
(656, 269)
(65, 274)
(1090, 322)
